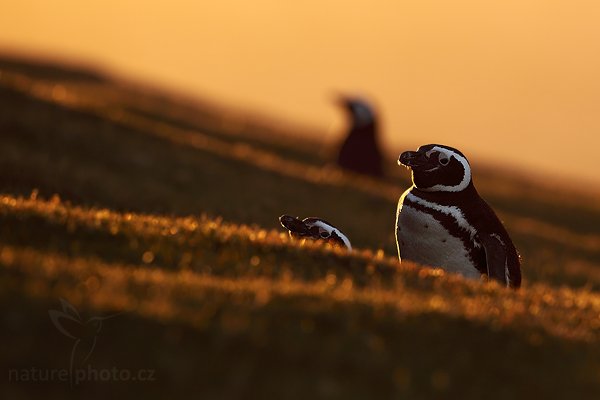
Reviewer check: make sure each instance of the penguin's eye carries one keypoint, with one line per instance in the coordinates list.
(324, 234)
(314, 231)
(443, 159)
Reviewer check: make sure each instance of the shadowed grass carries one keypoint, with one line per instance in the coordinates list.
(232, 334)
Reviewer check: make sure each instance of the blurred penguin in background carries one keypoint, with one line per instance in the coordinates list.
(359, 151)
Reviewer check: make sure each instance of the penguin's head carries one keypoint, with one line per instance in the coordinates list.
(437, 168)
(360, 111)
(314, 228)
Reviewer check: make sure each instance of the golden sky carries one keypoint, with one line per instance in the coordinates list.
(515, 81)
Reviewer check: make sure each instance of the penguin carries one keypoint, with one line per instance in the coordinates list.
(359, 151)
(442, 221)
(315, 229)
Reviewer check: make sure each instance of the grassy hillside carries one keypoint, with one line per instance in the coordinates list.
(121, 199)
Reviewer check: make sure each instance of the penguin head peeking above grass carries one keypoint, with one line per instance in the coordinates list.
(314, 229)
(442, 221)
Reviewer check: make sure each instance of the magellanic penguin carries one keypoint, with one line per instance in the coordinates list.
(442, 222)
(315, 229)
(359, 151)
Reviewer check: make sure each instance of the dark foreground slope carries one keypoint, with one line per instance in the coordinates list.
(218, 310)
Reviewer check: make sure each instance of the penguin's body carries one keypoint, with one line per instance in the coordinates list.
(315, 229)
(359, 152)
(443, 222)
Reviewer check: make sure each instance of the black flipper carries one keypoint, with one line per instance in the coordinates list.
(496, 258)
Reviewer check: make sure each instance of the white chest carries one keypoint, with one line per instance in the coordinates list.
(424, 240)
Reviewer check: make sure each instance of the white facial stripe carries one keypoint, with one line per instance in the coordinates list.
(452, 211)
(331, 229)
(466, 177)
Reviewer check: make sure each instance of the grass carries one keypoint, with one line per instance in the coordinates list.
(121, 199)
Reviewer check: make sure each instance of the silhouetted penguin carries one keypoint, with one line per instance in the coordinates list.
(442, 222)
(316, 229)
(359, 152)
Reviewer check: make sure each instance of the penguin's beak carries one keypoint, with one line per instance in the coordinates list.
(413, 159)
(343, 101)
(292, 224)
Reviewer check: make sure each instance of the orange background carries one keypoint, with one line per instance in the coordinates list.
(510, 81)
